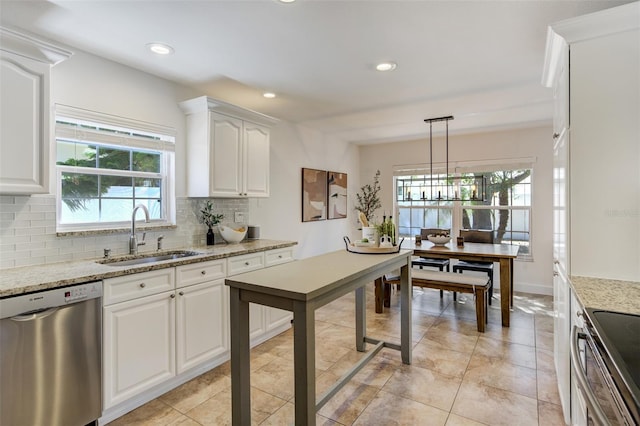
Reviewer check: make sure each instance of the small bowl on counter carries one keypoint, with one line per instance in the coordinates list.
(233, 234)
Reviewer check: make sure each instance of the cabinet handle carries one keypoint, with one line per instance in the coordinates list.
(247, 263)
(181, 293)
(203, 272)
(279, 256)
(555, 273)
(556, 135)
(172, 296)
(142, 285)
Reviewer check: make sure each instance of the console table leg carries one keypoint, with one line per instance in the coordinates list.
(240, 364)
(304, 361)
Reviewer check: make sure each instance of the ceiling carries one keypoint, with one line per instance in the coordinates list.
(480, 61)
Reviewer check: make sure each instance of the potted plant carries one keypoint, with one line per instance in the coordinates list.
(209, 218)
(368, 203)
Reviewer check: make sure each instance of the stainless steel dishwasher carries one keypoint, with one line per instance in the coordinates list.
(50, 357)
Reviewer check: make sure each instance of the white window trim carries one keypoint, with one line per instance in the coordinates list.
(469, 167)
(165, 143)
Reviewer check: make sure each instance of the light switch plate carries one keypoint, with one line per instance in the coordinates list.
(238, 217)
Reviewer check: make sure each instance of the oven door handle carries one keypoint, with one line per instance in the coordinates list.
(576, 366)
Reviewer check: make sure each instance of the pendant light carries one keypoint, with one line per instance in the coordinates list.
(447, 187)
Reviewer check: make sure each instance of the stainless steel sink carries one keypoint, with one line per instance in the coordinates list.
(149, 258)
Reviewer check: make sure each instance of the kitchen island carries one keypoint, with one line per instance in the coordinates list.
(302, 287)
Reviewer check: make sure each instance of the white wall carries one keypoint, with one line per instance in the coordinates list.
(535, 276)
(90, 82)
(27, 228)
(294, 147)
(87, 81)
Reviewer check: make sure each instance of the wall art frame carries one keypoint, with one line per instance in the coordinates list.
(337, 195)
(314, 195)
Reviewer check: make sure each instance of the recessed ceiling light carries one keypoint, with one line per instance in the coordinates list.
(269, 95)
(160, 48)
(386, 66)
(286, 1)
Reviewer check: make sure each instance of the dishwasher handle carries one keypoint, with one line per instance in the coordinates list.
(35, 315)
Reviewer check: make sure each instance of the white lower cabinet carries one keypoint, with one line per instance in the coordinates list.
(149, 337)
(139, 346)
(164, 327)
(264, 322)
(202, 315)
(276, 318)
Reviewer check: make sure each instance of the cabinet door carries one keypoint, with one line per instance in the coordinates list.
(256, 160)
(561, 336)
(560, 200)
(561, 93)
(202, 323)
(24, 133)
(276, 317)
(139, 346)
(244, 263)
(278, 256)
(226, 155)
(256, 322)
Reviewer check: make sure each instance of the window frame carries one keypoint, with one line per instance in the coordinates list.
(116, 132)
(457, 206)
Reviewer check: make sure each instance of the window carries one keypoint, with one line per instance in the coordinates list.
(506, 211)
(106, 165)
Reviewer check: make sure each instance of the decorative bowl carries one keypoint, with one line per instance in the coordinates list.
(232, 234)
(439, 240)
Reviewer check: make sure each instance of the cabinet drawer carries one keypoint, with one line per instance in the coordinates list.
(278, 256)
(138, 285)
(244, 263)
(200, 272)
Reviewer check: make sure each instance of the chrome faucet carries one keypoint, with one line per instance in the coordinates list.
(133, 239)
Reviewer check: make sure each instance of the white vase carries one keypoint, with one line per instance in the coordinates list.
(371, 234)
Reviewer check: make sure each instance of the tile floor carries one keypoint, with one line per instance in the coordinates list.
(458, 376)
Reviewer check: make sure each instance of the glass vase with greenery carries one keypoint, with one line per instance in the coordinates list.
(368, 199)
(210, 219)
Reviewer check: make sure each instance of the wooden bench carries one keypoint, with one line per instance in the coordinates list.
(478, 286)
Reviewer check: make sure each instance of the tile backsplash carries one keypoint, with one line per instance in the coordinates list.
(28, 231)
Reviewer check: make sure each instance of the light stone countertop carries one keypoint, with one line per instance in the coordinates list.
(28, 279)
(611, 295)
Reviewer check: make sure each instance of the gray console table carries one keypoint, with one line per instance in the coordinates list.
(302, 287)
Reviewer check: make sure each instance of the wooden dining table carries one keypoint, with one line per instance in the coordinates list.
(504, 254)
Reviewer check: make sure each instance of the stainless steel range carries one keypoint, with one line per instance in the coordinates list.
(606, 361)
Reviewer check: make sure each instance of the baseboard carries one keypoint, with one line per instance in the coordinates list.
(532, 288)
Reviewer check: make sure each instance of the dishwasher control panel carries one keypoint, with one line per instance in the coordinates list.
(80, 292)
(26, 304)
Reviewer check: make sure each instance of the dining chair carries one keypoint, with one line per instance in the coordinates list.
(431, 262)
(477, 236)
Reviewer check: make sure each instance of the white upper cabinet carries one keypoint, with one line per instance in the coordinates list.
(25, 112)
(227, 150)
(597, 163)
